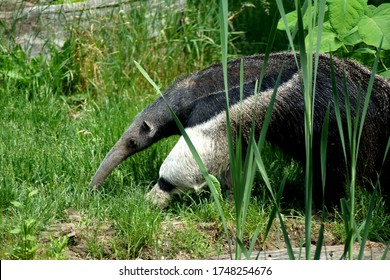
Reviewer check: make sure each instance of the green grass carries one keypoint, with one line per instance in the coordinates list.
(59, 117)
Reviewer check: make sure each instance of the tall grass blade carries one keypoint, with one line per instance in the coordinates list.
(262, 137)
(236, 170)
(254, 238)
(223, 16)
(337, 109)
(209, 178)
(354, 146)
(386, 251)
(320, 21)
(367, 222)
(323, 153)
(243, 250)
(285, 22)
(287, 242)
(267, 117)
(345, 211)
(386, 151)
(345, 214)
(249, 166)
(320, 241)
(260, 143)
(306, 67)
(235, 166)
(243, 169)
(324, 149)
(274, 209)
(276, 200)
(371, 208)
(345, 208)
(324, 133)
(300, 248)
(369, 91)
(346, 245)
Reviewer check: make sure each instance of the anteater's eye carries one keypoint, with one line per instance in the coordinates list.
(131, 143)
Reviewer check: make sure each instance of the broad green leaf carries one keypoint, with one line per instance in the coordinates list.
(365, 51)
(352, 39)
(370, 10)
(345, 14)
(385, 74)
(292, 20)
(329, 41)
(375, 25)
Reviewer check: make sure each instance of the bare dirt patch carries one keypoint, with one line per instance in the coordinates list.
(81, 235)
(89, 240)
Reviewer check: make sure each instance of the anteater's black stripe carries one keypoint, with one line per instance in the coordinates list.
(165, 185)
(209, 106)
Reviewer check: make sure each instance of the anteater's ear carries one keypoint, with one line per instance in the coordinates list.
(147, 126)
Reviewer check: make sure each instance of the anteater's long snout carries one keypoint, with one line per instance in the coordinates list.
(113, 158)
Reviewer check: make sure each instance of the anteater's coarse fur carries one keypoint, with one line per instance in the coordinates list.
(199, 101)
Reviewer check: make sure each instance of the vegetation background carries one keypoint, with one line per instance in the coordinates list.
(60, 115)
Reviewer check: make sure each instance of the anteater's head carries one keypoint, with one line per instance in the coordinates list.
(140, 135)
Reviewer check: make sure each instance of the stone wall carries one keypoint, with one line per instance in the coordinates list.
(32, 24)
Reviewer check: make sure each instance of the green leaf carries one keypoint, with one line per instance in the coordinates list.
(365, 51)
(345, 14)
(329, 41)
(385, 74)
(291, 18)
(353, 38)
(370, 10)
(375, 25)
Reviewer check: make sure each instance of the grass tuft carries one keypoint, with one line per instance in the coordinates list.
(60, 115)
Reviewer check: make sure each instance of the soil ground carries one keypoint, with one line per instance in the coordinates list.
(80, 233)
